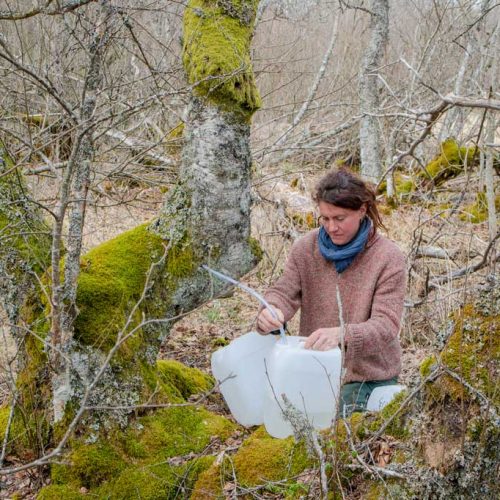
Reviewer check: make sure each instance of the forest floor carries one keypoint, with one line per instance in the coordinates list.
(193, 339)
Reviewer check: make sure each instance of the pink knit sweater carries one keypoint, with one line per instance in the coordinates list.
(372, 291)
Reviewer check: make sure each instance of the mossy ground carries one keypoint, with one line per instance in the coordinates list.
(477, 212)
(135, 463)
(270, 463)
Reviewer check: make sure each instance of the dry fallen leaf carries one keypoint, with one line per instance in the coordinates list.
(384, 454)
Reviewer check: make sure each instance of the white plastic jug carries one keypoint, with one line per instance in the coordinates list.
(244, 359)
(382, 396)
(311, 381)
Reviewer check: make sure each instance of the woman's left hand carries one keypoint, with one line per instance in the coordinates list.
(323, 339)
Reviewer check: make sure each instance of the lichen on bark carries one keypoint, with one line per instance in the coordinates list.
(24, 238)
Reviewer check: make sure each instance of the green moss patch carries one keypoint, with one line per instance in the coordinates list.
(156, 482)
(136, 463)
(111, 281)
(216, 52)
(477, 212)
(210, 483)
(25, 235)
(31, 426)
(260, 459)
(451, 161)
(186, 381)
(263, 458)
(174, 140)
(472, 352)
(178, 431)
(89, 466)
(403, 185)
(398, 427)
(59, 492)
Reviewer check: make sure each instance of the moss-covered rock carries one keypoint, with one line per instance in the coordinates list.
(472, 352)
(59, 492)
(451, 161)
(216, 52)
(260, 459)
(182, 380)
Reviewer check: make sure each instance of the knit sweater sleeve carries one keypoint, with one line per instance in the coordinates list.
(286, 293)
(381, 330)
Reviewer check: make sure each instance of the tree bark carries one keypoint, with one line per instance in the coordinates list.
(369, 130)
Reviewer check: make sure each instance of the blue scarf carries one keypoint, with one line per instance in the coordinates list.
(343, 255)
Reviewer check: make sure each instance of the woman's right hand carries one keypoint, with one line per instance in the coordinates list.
(267, 323)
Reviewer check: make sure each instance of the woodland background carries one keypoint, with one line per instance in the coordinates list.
(405, 92)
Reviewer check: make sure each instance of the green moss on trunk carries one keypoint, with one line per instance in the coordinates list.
(112, 280)
(25, 235)
(216, 53)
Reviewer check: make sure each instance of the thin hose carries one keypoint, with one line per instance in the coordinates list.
(252, 292)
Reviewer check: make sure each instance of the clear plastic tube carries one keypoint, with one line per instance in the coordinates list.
(252, 292)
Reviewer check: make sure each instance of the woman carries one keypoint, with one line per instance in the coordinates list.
(346, 252)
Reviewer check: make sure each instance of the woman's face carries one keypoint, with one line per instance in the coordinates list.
(341, 224)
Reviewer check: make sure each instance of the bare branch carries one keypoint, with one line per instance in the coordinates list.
(486, 402)
(69, 6)
(145, 148)
(465, 102)
(466, 270)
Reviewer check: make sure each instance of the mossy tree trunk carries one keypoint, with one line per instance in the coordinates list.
(130, 290)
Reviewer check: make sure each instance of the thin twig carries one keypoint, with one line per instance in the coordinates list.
(7, 428)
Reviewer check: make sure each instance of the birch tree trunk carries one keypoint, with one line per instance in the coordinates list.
(369, 130)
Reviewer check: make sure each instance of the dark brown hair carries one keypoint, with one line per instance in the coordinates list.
(343, 188)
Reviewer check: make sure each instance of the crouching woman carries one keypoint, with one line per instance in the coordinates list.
(346, 253)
